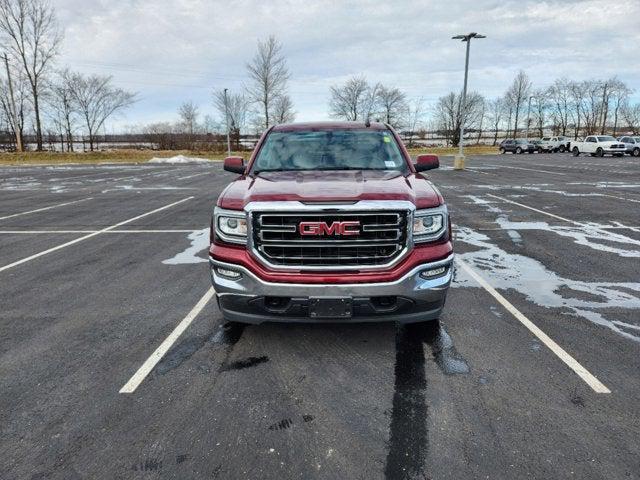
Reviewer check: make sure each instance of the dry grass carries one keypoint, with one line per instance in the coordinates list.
(107, 156)
(141, 156)
(470, 150)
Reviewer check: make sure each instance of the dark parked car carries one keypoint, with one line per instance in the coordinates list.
(519, 145)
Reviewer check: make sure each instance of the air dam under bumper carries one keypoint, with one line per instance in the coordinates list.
(411, 298)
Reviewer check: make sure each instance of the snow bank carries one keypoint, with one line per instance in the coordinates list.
(179, 159)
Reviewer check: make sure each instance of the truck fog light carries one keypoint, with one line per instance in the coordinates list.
(434, 272)
(228, 273)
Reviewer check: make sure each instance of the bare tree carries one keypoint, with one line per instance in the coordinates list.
(620, 96)
(21, 94)
(188, 113)
(283, 110)
(496, 114)
(393, 105)
(517, 95)
(350, 101)
(30, 31)
(269, 74)
(414, 117)
(451, 114)
(96, 100)
(237, 107)
(540, 102)
(559, 95)
(62, 108)
(631, 116)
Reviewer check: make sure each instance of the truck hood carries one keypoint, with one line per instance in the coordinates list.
(324, 186)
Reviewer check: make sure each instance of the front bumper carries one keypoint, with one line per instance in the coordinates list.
(411, 298)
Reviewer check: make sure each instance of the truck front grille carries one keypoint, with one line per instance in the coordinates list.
(382, 237)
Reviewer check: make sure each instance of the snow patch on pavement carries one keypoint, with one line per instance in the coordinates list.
(591, 235)
(179, 159)
(545, 288)
(199, 242)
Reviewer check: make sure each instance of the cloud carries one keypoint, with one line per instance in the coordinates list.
(176, 50)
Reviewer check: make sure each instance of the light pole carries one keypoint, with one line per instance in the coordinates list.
(226, 121)
(458, 162)
(526, 134)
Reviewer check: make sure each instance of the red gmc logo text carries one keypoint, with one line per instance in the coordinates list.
(336, 228)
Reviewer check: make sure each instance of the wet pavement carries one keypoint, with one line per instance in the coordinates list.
(113, 259)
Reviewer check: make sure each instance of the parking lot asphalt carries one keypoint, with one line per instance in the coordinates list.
(532, 371)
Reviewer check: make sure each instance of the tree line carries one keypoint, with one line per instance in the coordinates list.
(570, 108)
(35, 95)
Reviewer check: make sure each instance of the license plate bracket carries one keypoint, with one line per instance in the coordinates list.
(330, 307)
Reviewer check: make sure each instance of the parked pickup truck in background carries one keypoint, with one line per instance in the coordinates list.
(331, 222)
(599, 145)
(632, 145)
(553, 144)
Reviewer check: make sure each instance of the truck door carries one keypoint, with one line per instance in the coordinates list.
(590, 145)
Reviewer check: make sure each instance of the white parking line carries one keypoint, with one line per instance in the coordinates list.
(96, 231)
(45, 208)
(195, 175)
(599, 229)
(93, 234)
(535, 209)
(146, 368)
(571, 362)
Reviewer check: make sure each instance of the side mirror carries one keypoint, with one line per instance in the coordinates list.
(234, 164)
(426, 162)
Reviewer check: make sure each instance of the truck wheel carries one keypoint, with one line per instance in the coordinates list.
(539, 149)
(576, 152)
(636, 152)
(599, 152)
(502, 150)
(518, 150)
(562, 149)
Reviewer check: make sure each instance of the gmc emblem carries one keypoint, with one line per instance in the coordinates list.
(336, 228)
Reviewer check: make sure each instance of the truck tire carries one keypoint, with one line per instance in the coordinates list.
(539, 149)
(599, 152)
(502, 150)
(518, 150)
(576, 152)
(636, 152)
(561, 149)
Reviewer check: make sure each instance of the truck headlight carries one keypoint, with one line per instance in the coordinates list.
(230, 225)
(428, 226)
(233, 226)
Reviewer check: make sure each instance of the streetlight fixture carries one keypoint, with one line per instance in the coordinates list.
(526, 135)
(458, 162)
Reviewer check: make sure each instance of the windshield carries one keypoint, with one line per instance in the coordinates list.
(330, 150)
(522, 141)
(606, 138)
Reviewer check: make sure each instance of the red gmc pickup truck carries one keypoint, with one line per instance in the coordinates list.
(331, 221)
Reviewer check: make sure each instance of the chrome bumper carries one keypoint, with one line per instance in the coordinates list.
(426, 295)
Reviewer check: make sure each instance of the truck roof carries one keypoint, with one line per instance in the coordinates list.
(292, 127)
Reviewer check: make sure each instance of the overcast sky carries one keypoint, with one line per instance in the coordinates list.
(172, 51)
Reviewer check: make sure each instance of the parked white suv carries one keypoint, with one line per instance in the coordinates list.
(599, 145)
(632, 145)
